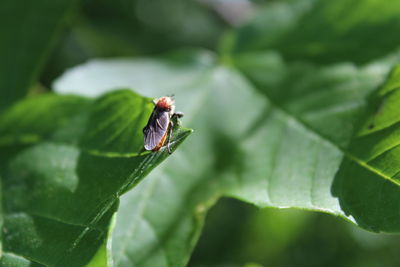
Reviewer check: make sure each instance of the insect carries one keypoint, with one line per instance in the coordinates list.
(160, 125)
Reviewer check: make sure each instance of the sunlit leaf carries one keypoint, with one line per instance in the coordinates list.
(59, 198)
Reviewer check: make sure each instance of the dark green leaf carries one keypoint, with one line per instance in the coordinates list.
(27, 31)
(30, 121)
(368, 187)
(59, 199)
(115, 125)
(324, 31)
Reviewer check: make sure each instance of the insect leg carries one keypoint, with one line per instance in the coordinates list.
(170, 128)
(174, 116)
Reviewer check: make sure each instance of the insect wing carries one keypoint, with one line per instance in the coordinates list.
(156, 129)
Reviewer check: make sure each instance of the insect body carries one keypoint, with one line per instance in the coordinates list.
(160, 125)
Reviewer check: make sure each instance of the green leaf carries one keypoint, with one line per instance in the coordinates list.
(326, 99)
(120, 134)
(30, 121)
(319, 103)
(269, 137)
(58, 198)
(324, 31)
(173, 74)
(375, 175)
(27, 31)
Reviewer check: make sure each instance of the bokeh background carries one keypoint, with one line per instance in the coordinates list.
(235, 233)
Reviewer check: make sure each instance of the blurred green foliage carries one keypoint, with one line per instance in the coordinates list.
(283, 238)
(127, 28)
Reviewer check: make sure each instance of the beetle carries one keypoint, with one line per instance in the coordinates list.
(160, 125)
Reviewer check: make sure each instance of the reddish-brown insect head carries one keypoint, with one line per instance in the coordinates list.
(165, 103)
